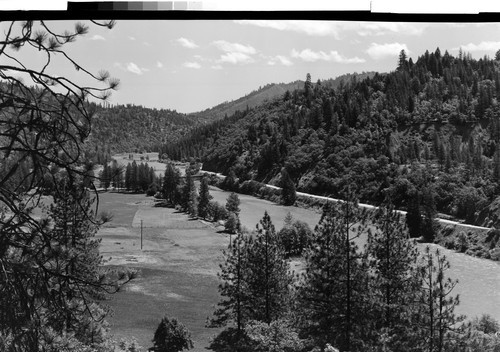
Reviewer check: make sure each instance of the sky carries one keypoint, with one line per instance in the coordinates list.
(192, 65)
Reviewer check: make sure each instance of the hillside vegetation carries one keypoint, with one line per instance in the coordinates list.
(425, 135)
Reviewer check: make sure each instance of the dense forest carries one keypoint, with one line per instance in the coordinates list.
(426, 135)
(132, 128)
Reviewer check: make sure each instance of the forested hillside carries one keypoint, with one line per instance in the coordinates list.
(426, 135)
(129, 128)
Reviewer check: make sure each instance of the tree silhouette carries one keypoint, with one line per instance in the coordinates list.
(44, 122)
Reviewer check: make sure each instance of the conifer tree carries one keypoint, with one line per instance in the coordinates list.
(332, 295)
(233, 203)
(392, 261)
(204, 198)
(189, 198)
(128, 177)
(256, 282)
(235, 306)
(437, 319)
(133, 177)
(288, 193)
(171, 181)
(269, 281)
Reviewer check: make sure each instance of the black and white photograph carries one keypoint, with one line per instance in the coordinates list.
(248, 181)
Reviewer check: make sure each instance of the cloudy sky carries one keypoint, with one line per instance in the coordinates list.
(193, 65)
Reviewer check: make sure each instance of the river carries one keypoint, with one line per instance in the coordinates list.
(479, 279)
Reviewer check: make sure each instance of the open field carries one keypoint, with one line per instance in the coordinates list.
(178, 265)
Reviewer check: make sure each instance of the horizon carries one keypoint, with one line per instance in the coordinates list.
(193, 65)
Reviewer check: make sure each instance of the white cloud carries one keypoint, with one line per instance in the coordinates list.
(316, 28)
(234, 47)
(483, 46)
(380, 51)
(194, 65)
(217, 67)
(97, 37)
(159, 64)
(131, 67)
(382, 28)
(333, 56)
(283, 60)
(236, 58)
(131, 38)
(187, 43)
(336, 28)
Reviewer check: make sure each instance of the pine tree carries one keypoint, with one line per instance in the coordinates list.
(393, 283)
(288, 193)
(171, 181)
(204, 198)
(134, 176)
(332, 295)
(189, 197)
(256, 282)
(59, 276)
(233, 203)
(172, 336)
(270, 281)
(128, 177)
(235, 307)
(437, 319)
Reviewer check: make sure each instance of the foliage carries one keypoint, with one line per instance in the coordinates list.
(50, 265)
(277, 336)
(232, 223)
(333, 292)
(171, 336)
(204, 198)
(171, 183)
(436, 317)
(393, 281)
(255, 285)
(437, 112)
(233, 203)
(288, 194)
(294, 236)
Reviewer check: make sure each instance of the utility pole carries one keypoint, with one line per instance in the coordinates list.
(141, 235)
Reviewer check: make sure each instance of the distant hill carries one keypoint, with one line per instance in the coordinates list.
(267, 93)
(132, 128)
(255, 98)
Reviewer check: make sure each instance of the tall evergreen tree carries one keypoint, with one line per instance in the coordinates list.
(270, 280)
(171, 181)
(288, 193)
(393, 285)
(128, 177)
(235, 306)
(333, 293)
(437, 318)
(233, 203)
(204, 198)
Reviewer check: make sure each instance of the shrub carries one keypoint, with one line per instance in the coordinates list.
(231, 224)
(171, 336)
(495, 254)
(105, 216)
(295, 238)
(462, 242)
(217, 211)
(152, 189)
